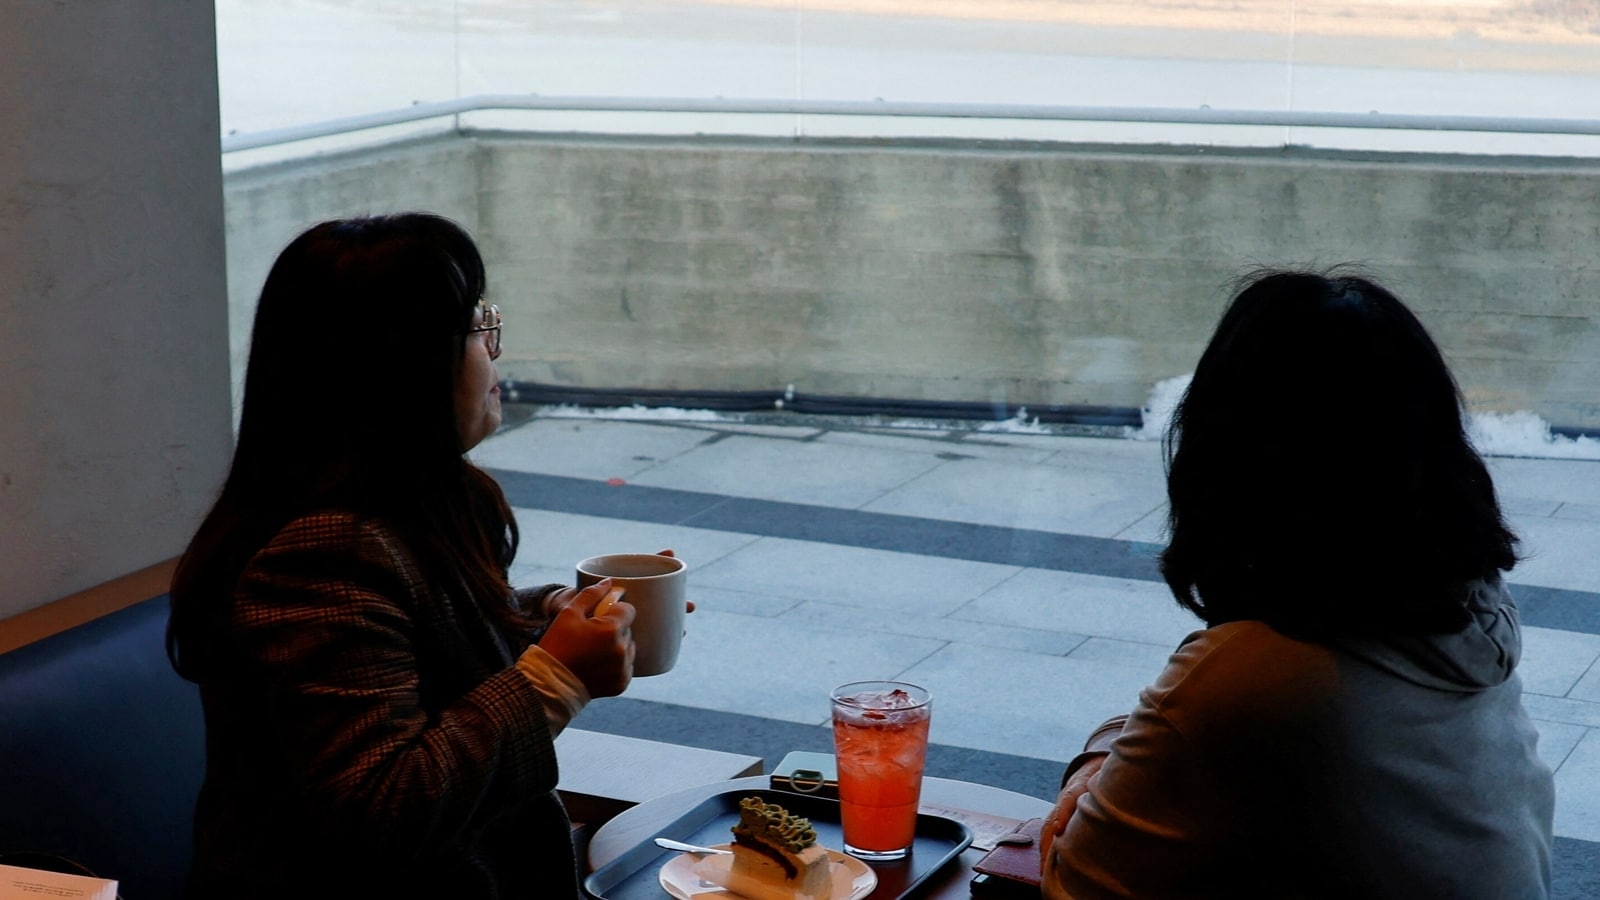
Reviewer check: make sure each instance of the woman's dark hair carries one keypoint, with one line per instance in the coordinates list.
(348, 405)
(1319, 473)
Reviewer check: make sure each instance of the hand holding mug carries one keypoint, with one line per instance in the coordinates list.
(598, 649)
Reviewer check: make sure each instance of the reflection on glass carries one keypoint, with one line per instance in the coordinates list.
(288, 62)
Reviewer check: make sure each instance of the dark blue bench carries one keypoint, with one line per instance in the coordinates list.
(102, 750)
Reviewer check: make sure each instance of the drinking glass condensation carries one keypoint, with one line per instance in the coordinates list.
(880, 740)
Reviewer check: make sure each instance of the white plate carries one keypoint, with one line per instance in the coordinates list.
(852, 878)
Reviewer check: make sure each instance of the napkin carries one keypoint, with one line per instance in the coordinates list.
(17, 883)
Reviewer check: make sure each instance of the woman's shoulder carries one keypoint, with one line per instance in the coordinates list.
(1250, 648)
(1244, 668)
(1247, 637)
(335, 529)
(338, 542)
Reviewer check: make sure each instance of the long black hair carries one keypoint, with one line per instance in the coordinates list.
(1319, 473)
(348, 405)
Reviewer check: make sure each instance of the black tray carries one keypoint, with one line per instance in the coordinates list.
(635, 874)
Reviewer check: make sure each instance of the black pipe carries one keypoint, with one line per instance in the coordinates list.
(826, 405)
(1574, 433)
(721, 401)
(818, 404)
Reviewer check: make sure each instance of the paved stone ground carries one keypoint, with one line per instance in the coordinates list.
(985, 565)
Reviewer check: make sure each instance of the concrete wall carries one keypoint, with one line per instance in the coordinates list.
(1014, 273)
(268, 206)
(114, 432)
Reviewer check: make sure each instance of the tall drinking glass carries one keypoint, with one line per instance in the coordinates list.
(880, 739)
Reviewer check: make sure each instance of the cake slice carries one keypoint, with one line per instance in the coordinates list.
(775, 856)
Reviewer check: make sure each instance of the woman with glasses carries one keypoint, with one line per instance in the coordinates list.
(380, 705)
(1349, 723)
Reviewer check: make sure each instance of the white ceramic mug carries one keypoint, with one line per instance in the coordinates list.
(655, 586)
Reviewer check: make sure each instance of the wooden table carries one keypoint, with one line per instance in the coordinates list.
(939, 796)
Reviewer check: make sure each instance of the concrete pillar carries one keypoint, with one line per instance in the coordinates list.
(115, 427)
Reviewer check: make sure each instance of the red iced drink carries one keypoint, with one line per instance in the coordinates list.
(880, 739)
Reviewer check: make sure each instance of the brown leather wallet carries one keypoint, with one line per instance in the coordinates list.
(1015, 857)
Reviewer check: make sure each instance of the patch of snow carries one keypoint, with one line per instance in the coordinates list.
(670, 413)
(1526, 434)
(1158, 408)
(1017, 424)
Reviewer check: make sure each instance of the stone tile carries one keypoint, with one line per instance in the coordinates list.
(1152, 529)
(1556, 740)
(775, 669)
(825, 475)
(929, 428)
(1554, 661)
(556, 540)
(990, 699)
(748, 603)
(1085, 447)
(1578, 791)
(1136, 460)
(1578, 512)
(1530, 508)
(1050, 442)
(1588, 686)
(926, 586)
(1043, 497)
(841, 613)
(1120, 608)
(1147, 658)
(587, 448)
(1560, 553)
(1563, 709)
(788, 432)
(933, 443)
(1029, 640)
(1558, 480)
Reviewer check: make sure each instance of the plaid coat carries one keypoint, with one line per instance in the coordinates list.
(371, 736)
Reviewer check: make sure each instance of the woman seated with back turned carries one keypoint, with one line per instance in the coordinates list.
(380, 705)
(1349, 723)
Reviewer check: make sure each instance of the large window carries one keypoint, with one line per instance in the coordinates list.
(289, 62)
(945, 313)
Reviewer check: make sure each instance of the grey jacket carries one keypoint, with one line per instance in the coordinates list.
(1262, 766)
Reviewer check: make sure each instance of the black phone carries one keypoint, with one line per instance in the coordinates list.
(807, 773)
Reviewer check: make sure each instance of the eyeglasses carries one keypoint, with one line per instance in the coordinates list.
(490, 327)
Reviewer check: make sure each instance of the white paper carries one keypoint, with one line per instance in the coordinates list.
(35, 884)
(986, 827)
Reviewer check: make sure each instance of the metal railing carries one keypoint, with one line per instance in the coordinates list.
(1143, 115)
